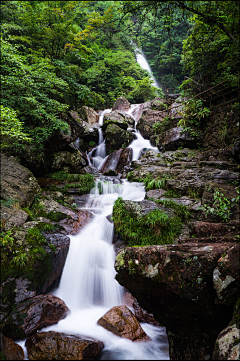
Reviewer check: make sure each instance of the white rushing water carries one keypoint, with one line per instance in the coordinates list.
(142, 61)
(88, 284)
(139, 143)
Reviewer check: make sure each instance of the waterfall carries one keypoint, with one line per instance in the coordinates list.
(139, 143)
(142, 61)
(88, 284)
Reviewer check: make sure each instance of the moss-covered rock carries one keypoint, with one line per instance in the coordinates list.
(117, 138)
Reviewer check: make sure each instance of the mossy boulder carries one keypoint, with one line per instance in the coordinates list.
(117, 138)
(88, 114)
(115, 118)
(73, 160)
(18, 183)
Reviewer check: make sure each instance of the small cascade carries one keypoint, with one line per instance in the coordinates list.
(139, 143)
(99, 151)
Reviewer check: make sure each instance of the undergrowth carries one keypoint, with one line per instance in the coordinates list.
(154, 228)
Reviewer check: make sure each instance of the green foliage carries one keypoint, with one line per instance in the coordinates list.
(11, 129)
(159, 127)
(154, 228)
(221, 206)
(92, 143)
(155, 183)
(84, 182)
(194, 114)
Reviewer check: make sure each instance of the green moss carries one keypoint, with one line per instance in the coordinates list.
(2, 356)
(154, 228)
(56, 216)
(83, 182)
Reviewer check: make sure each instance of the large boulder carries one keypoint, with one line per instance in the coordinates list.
(175, 138)
(111, 161)
(9, 349)
(124, 159)
(117, 160)
(121, 321)
(114, 118)
(88, 114)
(227, 345)
(61, 346)
(33, 314)
(121, 104)
(73, 160)
(148, 119)
(175, 284)
(117, 138)
(18, 184)
(12, 216)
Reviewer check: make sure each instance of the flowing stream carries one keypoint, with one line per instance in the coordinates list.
(88, 284)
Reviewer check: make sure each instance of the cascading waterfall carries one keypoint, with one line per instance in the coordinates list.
(88, 284)
(100, 150)
(139, 143)
(142, 61)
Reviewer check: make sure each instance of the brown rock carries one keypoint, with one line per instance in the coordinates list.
(121, 104)
(10, 349)
(121, 321)
(111, 161)
(148, 119)
(125, 159)
(88, 114)
(18, 183)
(60, 346)
(84, 218)
(33, 314)
(174, 138)
(175, 283)
(141, 314)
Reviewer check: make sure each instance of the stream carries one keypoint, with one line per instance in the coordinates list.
(88, 285)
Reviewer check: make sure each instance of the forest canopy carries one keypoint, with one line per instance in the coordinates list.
(60, 55)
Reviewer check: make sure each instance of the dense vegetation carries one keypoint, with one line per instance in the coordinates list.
(59, 55)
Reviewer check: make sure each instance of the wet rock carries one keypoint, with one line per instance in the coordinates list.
(175, 138)
(89, 169)
(227, 345)
(111, 161)
(124, 159)
(111, 172)
(121, 104)
(18, 183)
(61, 346)
(141, 314)
(115, 118)
(10, 349)
(88, 114)
(84, 218)
(226, 278)
(12, 216)
(121, 321)
(207, 229)
(117, 138)
(147, 120)
(174, 283)
(33, 314)
(155, 193)
(57, 258)
(61, 159)
(90, 132)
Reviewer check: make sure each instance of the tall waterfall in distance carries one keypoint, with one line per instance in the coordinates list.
(142, 61)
